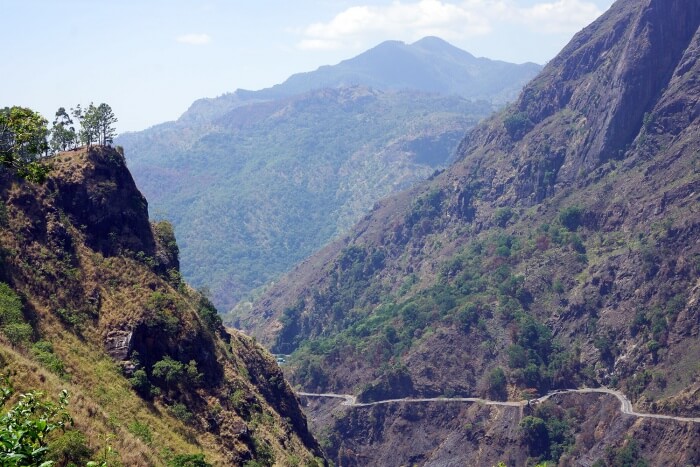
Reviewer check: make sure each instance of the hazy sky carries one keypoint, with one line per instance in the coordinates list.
(150, 59)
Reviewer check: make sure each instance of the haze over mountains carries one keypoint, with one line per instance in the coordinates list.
(559, 250)
(255, 181)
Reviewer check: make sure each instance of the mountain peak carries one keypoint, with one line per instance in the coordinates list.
(429, 65)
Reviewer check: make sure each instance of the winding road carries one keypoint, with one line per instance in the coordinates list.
(625, 404)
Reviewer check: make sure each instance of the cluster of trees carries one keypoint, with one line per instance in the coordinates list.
(25, 136)
(96, 127)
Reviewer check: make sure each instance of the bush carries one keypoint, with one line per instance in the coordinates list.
(168, 370)
(502, 216)
(517, 125)
(69, 448)
(12, 322)
(43, 352)
(142, 431)
(208, 313)
(180, 412)
(497, 384)
(534, 432)
(139, 381)
(25, 427)
(571, 217)
(189, 460)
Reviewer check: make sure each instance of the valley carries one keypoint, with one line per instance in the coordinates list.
(413, 257)
(558, 251)
(256, 181)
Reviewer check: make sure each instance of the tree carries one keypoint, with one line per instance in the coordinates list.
(169, 370)
(105, 124)
(534, 431)
(63, 135)
(498, 384)
(89, 124)
(23, 134)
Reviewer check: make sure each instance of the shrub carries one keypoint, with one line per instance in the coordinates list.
(497, 384)
(208, 313)
(571, 217)
(502, 216)
(534, 432)
(142, 431)
(70, 448)
(25, 427)
(168, 370)
(517, 125)
(12, 322)
(139, 381)
(189, 460)
(43, 352)
(180, 412)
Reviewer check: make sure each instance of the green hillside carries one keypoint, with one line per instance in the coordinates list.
(263, 186)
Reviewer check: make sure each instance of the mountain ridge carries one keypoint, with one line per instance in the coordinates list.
(371, 68)
(557, 251)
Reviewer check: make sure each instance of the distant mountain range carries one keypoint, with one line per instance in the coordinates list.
(254, 181)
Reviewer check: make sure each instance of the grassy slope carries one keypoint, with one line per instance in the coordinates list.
(78, 286)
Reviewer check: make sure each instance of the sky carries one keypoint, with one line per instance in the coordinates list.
(150, 59)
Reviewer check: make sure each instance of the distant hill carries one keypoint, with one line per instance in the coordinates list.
(429, 65)
(256, 181)
(560, 250)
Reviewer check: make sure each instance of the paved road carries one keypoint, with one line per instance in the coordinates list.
(625, 404)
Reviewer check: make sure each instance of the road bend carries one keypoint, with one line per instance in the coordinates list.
(625, 404)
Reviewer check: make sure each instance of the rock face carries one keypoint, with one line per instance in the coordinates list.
(118, 344)
(559, 250)
(101, 196)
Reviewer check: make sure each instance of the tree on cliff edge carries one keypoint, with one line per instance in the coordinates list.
(23, 134)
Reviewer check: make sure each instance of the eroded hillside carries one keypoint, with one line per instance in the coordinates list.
(560, 250)
(93, 302)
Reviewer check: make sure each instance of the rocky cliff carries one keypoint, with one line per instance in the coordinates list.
(151, 372)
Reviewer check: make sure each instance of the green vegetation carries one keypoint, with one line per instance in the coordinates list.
(547, 432)
(189, 460)
(151, 377)
(627, 455)
(23, 136)
(477, 291)
(12, 322)
(264, 186)
(517, 124)
(25, 427)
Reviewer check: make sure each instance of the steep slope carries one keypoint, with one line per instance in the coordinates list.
(561, 249)
(92, 301)
(265, 185)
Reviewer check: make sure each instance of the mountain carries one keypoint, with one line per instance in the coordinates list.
(91, 301)
(256, 181)
(559, 250)
(430, 65)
